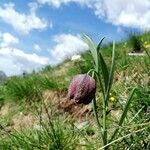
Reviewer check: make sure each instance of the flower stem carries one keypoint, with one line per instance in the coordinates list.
(97, 120)
(104, 123)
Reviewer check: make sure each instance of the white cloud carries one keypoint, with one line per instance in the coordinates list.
(21, 22)
(127, 13)
(37, 47)
(8, 39)
(66, 46)
(58, 3)
(15, 61)
(33, 7)
(8, 66)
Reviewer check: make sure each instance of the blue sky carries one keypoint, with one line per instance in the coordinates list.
(35, 33)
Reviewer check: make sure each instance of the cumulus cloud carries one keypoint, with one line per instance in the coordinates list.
(67, 45)
(21, 22)
(22, 56)
(16, 60)
(58, 3)
(7, 39)
(127, 13)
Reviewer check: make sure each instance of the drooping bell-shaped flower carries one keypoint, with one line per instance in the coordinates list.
(82, 89)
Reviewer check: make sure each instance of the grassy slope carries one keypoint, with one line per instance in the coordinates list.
(27, 93)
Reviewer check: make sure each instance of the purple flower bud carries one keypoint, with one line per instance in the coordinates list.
(82, 89)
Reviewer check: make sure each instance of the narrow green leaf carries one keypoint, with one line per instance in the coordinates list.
(99, 45)
(92, 48)
(96, 116)
(124, 114)
(125, 136)
(102, 63)
(104, 69)
(111, 70)
(136, 115)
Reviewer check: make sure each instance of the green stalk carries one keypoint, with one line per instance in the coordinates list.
(104, 98)
(104, 123)
(96, 118)
(100, 83)
(104, 102)
(136, 115)
(124, 114)
(127, 135)
(110, 78)
(97, 64)
(96, 113)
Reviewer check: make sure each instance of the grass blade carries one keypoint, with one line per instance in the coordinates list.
(124, 114)
(99, 45)
(104, 69)
(111, 70)
(92, 48)
(112, 142)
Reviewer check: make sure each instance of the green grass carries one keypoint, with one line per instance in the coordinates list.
(56, 133)
(28, 88)
(51, 135)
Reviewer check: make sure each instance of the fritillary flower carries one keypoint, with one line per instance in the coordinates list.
(82, 89)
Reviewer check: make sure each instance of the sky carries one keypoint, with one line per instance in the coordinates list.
(35, 33)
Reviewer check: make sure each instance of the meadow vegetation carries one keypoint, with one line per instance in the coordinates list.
(35, 99)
